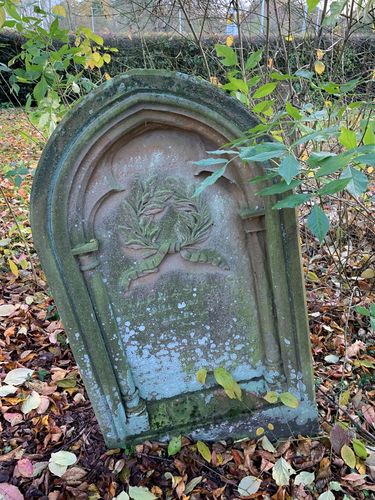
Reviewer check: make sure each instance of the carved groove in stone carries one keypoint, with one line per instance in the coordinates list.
(161, 218)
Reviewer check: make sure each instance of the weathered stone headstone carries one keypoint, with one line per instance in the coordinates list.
(154, 284)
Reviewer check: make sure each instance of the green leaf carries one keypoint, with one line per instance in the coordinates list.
(289, 168)
(358, 181)
(237, 84)
(292, 111)
(209, 181)
(280, 187)
(362, 310)
(347, 454)
(289, 399)
(174, 445)
(369, 135)
(40, 89)
(201, 376)
(292, 201)
(347, 138)
(228, 55)
(333, 187)
(263, 152)
(254, 59)
(262, 107)
(312, 4)
(318, 223)
(305, 478)
(359, 448)
(304, 73)
(318, 136)
(331, 164)
(366, 159)
(204, 450)
(210, 161)
(227, 382)
(264, 90)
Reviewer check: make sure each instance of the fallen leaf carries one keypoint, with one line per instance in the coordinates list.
(305, 478)
(192, 484)
(249, 485)
(31, 403)
(282, 471)
(347, 454)
(13, 418)
(5, 311)
(24, 468)
(5, 390)
(140, 493)
(18, 376)
(10, 492)
(204, 450)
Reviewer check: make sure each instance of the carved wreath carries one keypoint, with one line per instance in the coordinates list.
(161, 217)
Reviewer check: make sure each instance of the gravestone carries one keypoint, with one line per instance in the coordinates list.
(153, 283)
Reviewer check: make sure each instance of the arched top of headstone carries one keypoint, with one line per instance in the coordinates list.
(153, 283)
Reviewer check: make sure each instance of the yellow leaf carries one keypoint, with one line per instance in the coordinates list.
(289, 399)
(328, 104)
(370, 170)
(214, 80)
(312, 277)
(344, 398)
(319, 67)
(271, 427)
(289, 38)
(106, 58)
(368, 274)
(304, 156)
(219, 458)
(201, 375)
(107, 76)
(2, 17)
(259, 431)
(204, 450)
(229, 41)
(271, 397)
(24, 264)
(13, 268)
(347, 454)
(310, 173)
(320, 54)
(59, 10)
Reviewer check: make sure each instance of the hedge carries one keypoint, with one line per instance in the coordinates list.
(182, 54)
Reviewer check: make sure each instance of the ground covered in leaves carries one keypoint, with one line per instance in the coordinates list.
(50, 444)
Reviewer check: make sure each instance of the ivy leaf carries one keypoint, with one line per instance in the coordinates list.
(204, 450)
(228, 55)
(264, 90)
(174, 446)
(289, 399)
(289, 168)
(347, 138)
(227, 382)
(358, 181)
(318, 223)
(282, 471)
(347, 454)
(248, 486)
